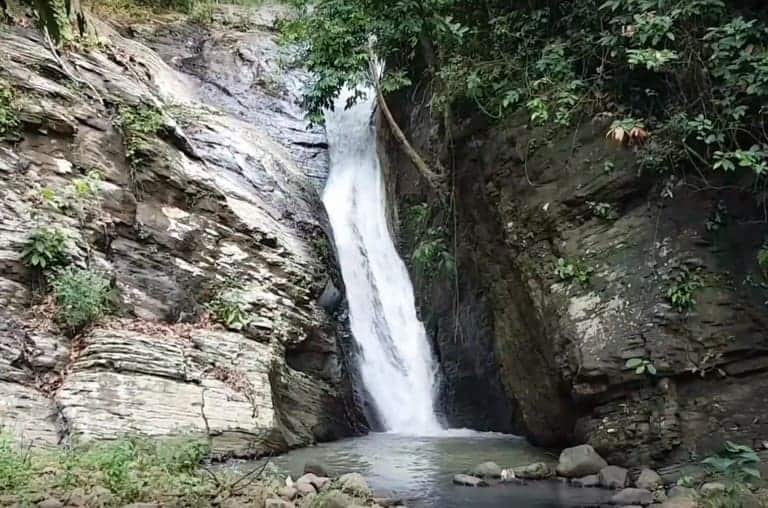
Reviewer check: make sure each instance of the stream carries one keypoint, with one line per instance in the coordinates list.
(419, 470)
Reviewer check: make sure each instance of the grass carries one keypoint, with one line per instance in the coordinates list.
(130, 470)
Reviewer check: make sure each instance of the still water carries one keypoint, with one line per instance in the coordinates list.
(419, 470)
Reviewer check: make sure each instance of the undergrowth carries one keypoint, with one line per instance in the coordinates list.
(133, 470)
(82, 297)
(9, 117)
(683, 83)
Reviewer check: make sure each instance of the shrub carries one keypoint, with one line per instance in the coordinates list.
(46, 249)
(605, 211)
(9, 118)
(138, 123)
(680, 292)
(82, 297)
(568, 271)
(431, 257)
(230, 308)
(762, 261)
(736, 463)
(133, 469)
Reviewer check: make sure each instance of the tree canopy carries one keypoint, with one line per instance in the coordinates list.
(685, 81)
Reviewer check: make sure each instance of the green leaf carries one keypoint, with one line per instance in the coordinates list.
(640, 369)
(633, 363)
(651, 369)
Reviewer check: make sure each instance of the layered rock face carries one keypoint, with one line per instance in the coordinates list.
(223, 196)
(527, 350)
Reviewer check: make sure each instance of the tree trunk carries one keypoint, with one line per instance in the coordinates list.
(63, 19)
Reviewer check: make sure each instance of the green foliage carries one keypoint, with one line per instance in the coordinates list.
(689, 78)
(432, 257)
(762, 261)
(15, 465)
(138, 124)
(605, 211)
(680, 292)
(570, 270)
(47, 249)
(133, 469)
(82, 297)
(9, 118)
(230, 308)
(736, 463)
(641, 366)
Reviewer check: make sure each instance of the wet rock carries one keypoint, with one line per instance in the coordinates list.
(649, 480)
(535, 471)
(387, 502)
(633, 496)
(486, 470)
(613, 477)
(50, 503)
(317, 468)
(712, 488)
(580, 461)
(591, 480)
(469, 481)
(355, 484)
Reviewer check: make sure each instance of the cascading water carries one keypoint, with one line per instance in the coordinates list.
(396, 362)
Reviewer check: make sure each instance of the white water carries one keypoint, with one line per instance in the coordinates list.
(396, 362)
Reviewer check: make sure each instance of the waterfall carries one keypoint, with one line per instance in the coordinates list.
(396, 361)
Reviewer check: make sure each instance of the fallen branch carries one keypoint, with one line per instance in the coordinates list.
(435, 179)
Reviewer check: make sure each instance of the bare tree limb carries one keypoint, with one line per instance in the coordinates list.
(435, 179)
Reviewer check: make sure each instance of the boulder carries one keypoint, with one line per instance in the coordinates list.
(580, 461)
(319, 482)
(486, 470)
(50, 503)
(288, 493)
(649, 480)
(591, 480)
(99, 497)
(304, 488)
(469, 481)
(678, 491)
(712, 488)
(633, 497)
(276, 502)
(317, 468)
(355, 484)
(535, 471)
(679, 502)
(613, 477)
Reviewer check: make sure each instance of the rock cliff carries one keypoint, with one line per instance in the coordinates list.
(225, 192)
(526, 347)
